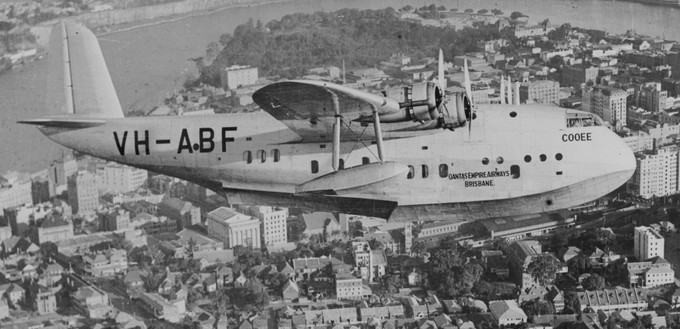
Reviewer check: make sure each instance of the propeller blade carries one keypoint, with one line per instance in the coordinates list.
(440, 71)
(468, 93)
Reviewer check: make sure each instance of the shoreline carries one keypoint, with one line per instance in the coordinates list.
(124, 27)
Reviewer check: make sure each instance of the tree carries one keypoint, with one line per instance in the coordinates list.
(516, 15)
(482, 11)
(537, 307)
(441, 8)
(469, 11)
(418, 247)
(594, 282)
(407, 8)
(191, 246)
(543, 268)
(496, 11)
(253, 295)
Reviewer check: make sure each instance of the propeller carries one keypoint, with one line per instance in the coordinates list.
(467, 103)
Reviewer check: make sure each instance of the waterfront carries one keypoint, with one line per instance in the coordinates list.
(149, 62)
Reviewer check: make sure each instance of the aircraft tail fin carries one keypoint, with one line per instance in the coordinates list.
(78, 80)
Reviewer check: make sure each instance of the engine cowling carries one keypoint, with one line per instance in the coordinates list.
(421, 103)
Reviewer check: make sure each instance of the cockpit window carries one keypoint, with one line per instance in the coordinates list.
(583, 119)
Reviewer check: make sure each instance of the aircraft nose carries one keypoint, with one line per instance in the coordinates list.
(625, 162)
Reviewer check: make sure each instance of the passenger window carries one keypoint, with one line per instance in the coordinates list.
(365, 160)
(425, 171)
(315, 167)
(443, 170)
(514, 171)
(262, 155)
(276, 154)
(485, 161)
(411, 172)
(543, 157)
(248, 156)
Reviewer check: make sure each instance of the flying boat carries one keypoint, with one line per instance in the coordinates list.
(317, 145)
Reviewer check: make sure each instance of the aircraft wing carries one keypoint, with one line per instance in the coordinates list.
(313, 100)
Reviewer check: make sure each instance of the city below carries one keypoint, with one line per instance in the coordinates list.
(87, 243)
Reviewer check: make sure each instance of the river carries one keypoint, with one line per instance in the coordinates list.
(149, 62)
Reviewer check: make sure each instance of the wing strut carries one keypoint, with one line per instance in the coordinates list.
(378, 134)
(336, 131)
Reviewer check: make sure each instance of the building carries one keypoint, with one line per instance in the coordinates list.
(520, 254)
(519, 227)
(575, 75)
(5, 233)
(82, 192)
(184, 212)
(673, 60)
(656, 174)
(117, 178)
(161, 308)
(607, 102)
(650, 97)
(533, 30)
(507, 312)
(53, 228)
(272, 224)
(347, 286)
(115, 220)
(439, 228)
(318, 222)
(59, 171)
(45, 301)
(15, 190)
(237, 76)
(106, 263)
(611, 300)
(647, 243)
(540, 91)
(331, 317)
(656, 272)
(92, 302)
(233, 228)
(42, 190)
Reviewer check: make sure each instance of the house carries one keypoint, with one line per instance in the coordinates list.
(225, 276)
(507, 312)
(600, 258)
(14, 292)
(45, 301)
(210, 284)
(92, 302)
(556, 297)
(610, 300)
(287, 270)
(570, 253)
(161, 308)
(290, 290)
(414, 278)
(133, 281)
(317, 221)
(451, 306)
(381, 312)
(345, 315)
(106, 263)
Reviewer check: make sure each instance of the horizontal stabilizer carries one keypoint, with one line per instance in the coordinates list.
(64, 123)
(353, 177)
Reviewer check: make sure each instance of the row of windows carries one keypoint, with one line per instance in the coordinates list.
(315, 164)
(444, 171)
(543, 157)
(261, 155)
